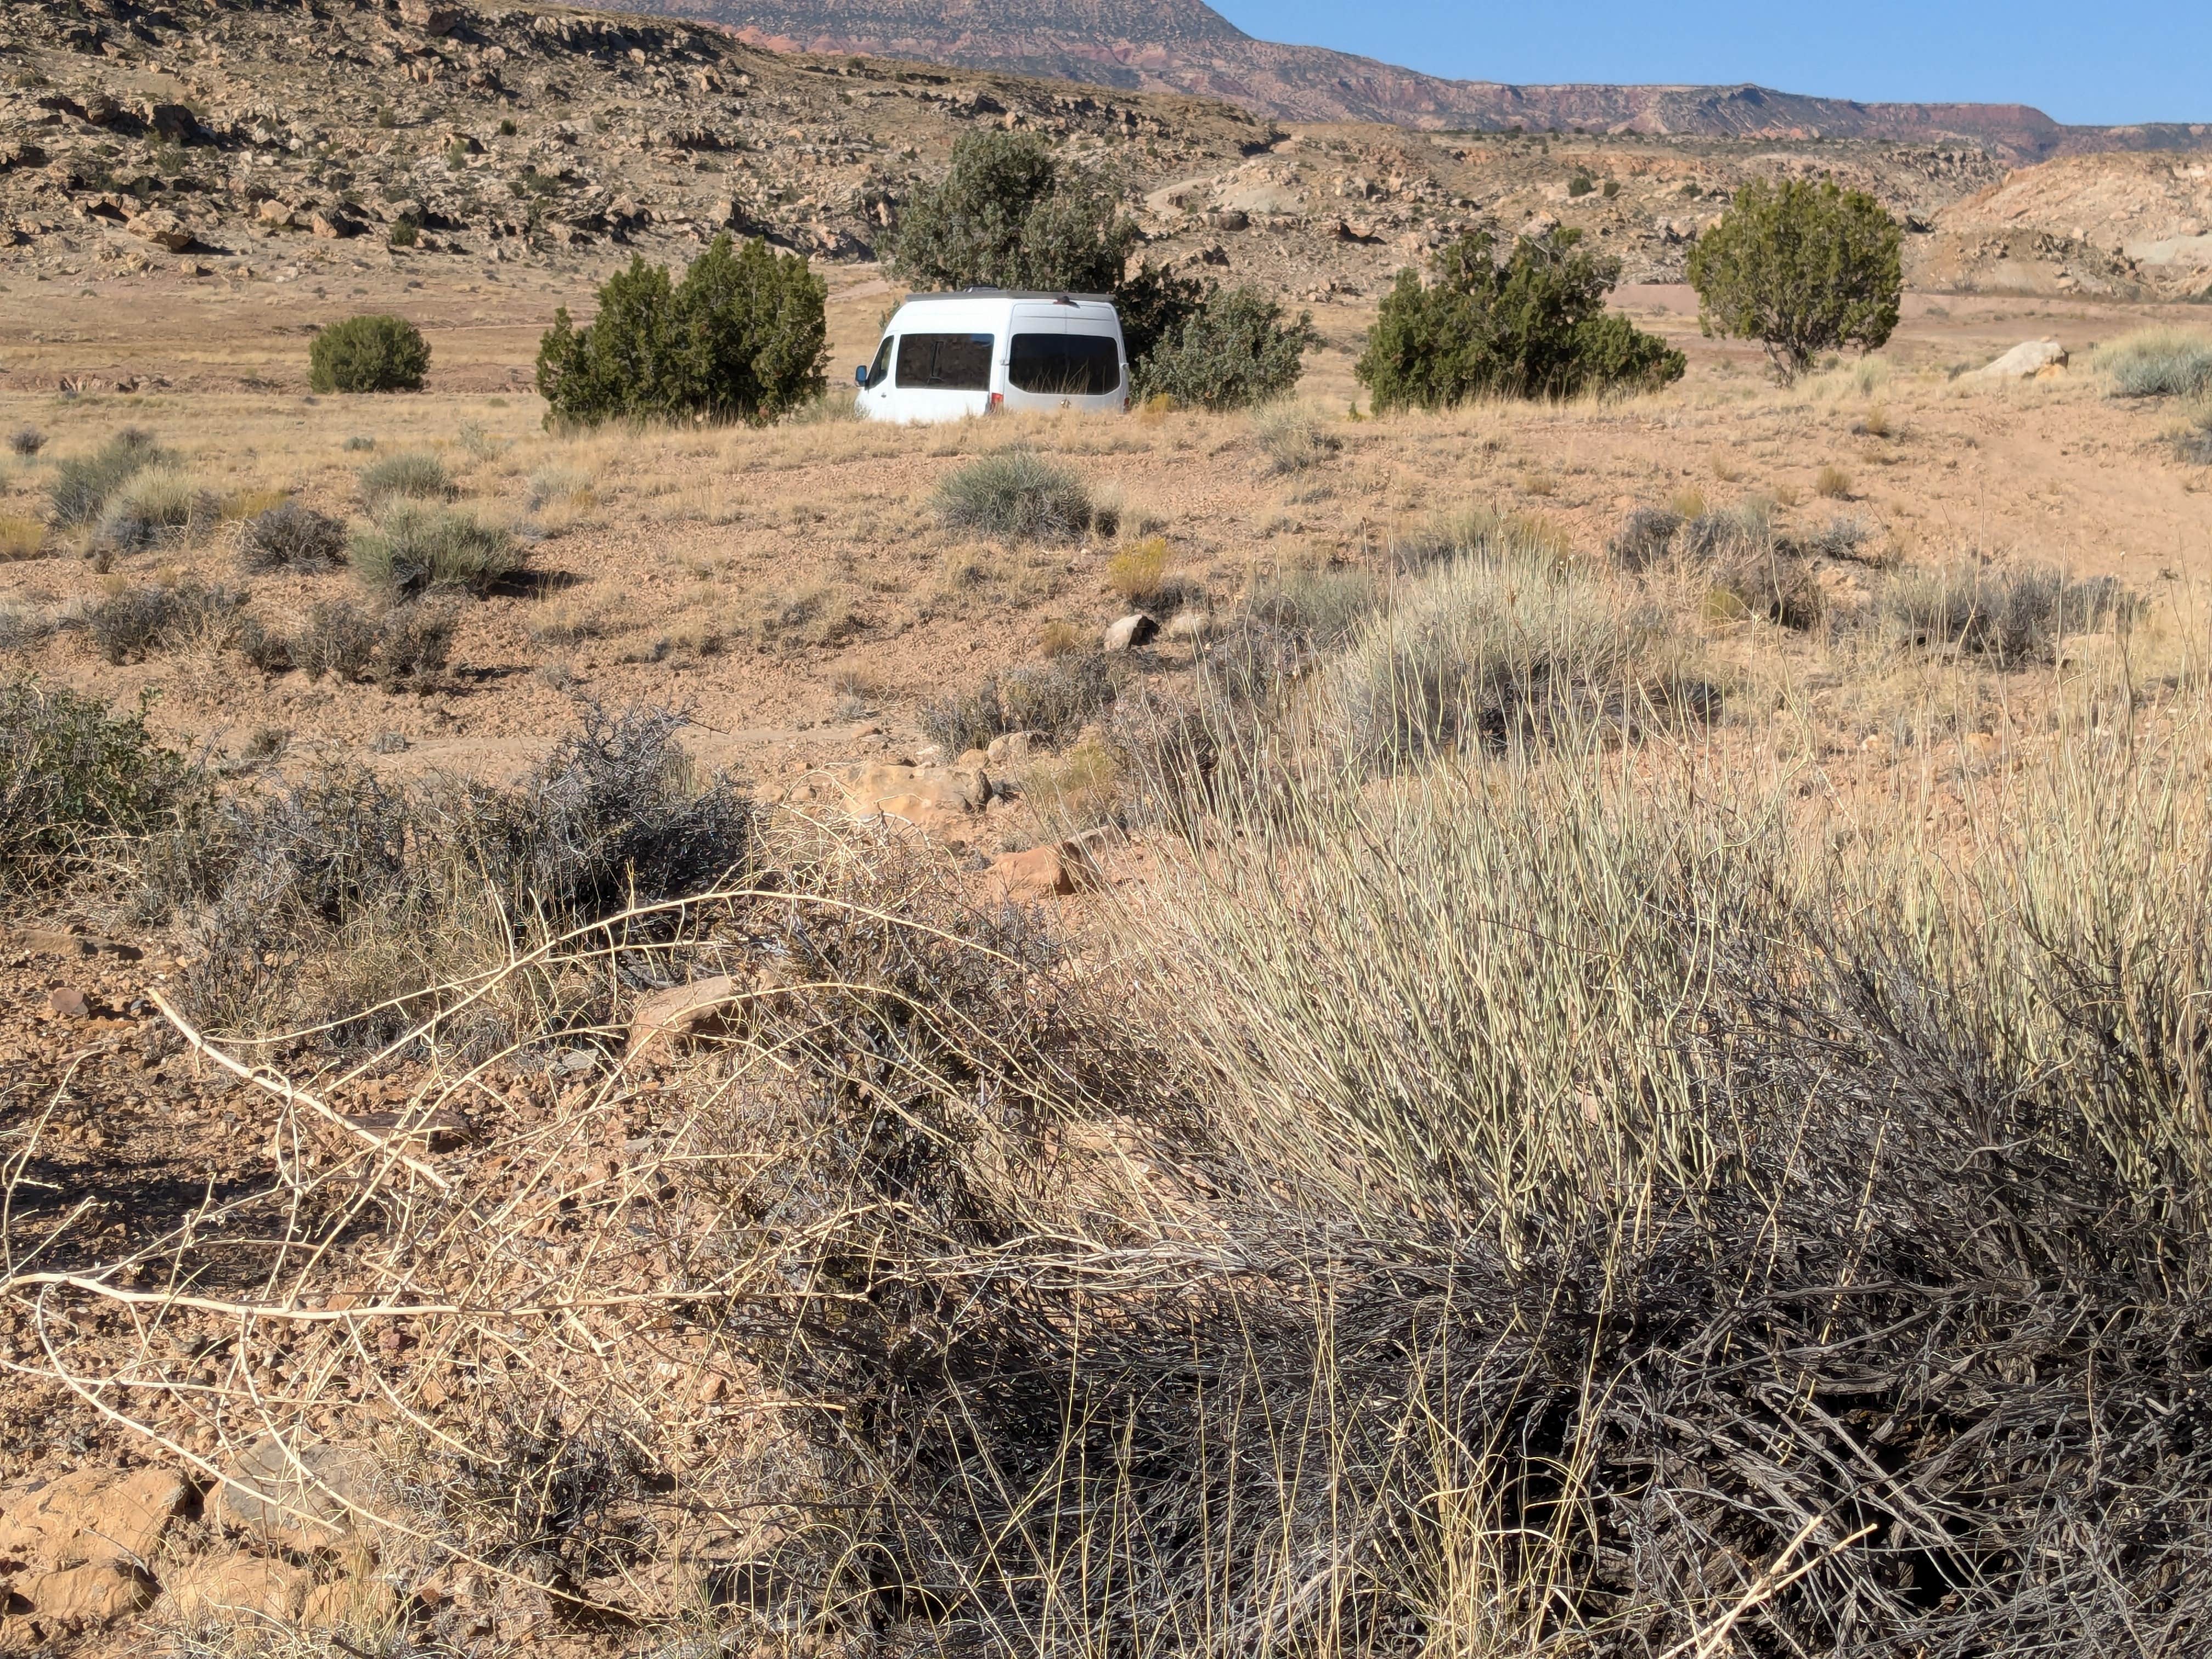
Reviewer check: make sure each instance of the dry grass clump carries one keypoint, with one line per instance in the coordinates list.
(290, 537)
(1138, 573)
(1291, 438)
(2013, 614)
(1831, 483)
(20, 538)
(79, 784)
(1484, 655)
(157, 508)
(82, 484)
(26, 442)
(2193, 443)
(2160, 362)
(413, 475)
(1744, 567)
(402, 648)
(1053, 699)
(415, 548)
(1016, 496)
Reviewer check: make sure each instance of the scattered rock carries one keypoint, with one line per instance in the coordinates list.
(2025, 361)
(236, 1588)
(364, 1603)
(706, 1008)
(173, 122)
(1189, 625)
(77, 1598)
(431, 19)
(1228, 219)
(276, 213)
(69, 1003)
(92, 1516)
(161, 228)
(950, 825)
(871, 787)
(1132, 630)
(1011, 748)
(293, 1496)
(63, 942)
(332, 226)
(1020, 878)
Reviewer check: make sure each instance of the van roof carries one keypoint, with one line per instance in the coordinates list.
(1008, 294)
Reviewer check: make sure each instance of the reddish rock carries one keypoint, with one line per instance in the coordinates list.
(1040, 872)
(239, 1589)
(81, 1598)
(69, 1003)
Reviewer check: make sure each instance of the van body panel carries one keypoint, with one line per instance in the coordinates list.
(945, 357)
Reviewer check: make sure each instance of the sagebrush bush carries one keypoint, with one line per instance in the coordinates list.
(414, 548)
(26, 442)
(1803, 268)
(82, 484)
(290, 537)
(1236, 350)
(2160, 362)
(1054, 699)
(77, 783)
(414, 474)
(1016, 496)
(1534, 326)
(335, 638)
(742, 337)
(1744, 567)
(157, 508)
(368, 354)
(132, 623)
(2013, 614)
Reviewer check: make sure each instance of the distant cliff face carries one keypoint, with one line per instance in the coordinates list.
(1185, 46)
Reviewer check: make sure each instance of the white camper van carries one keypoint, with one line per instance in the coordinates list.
(947, 356)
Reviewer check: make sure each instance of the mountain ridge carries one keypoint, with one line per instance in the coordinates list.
(1185, 46)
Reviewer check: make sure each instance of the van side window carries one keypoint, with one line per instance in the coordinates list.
(948, 362)
(1064, 365)
(880, 370)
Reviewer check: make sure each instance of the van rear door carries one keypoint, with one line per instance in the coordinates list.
(1060, 357)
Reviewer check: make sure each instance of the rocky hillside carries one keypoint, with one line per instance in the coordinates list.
(1186, 46)
(2125, 226)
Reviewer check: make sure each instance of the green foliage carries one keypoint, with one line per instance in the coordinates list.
(368, 354)
(1017, 496)
(2160, 362)
(82, 484)
(1535, 326)
(1581, 185)
(1235, 351)
(73, 776)
(1803, 268)
(411, 474)
(742, 337)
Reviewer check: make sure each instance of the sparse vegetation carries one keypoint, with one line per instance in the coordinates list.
(2013, 614)
(2160, 362)
(1054, 700)
(414, 474)
(1831, 483)
(742, 337)
(1535, 326)
(1803, 268)
(156, 507)
(26, 441)
(82, 484)
(368, 354)
(20, 538)
(131, 622)
(1235, 351)
(415, 548)
(1293, 439)
(290, 537)
(77, 783)
(1015, 496)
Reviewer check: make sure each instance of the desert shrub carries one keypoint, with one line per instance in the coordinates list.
(1054, 699)
(1841, 537)
(158, 507)
(569, 485)
(413, 642)
(1483, 654)
(1138, 573)
(414, 474)
(375, 893)
(290, 537)
(2193, 443)
(262, 647)
(742, 337)
(82, 484)
(78, 782)
(2160, 362)
(1016, 496)
(1293, 439)
(132, 623)
(20, 538)
(1236, 350)
(336, 639)
(1535, 326)
(416, 549)
(1746, 569)
(1831, 483)
(368, 354)
(26, 442)
(1473, 532)
(2014, 614)
(1803, 268)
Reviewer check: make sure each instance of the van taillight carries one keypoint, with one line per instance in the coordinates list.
(998, 399)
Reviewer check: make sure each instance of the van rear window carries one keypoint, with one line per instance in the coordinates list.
(951, 363)
(1064, 365)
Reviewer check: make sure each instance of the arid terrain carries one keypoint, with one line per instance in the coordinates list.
(506, 1234)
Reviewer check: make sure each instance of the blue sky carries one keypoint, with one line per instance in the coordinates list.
(2124, 60)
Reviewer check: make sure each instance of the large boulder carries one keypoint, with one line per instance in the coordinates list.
(86, 1597)
(298, 1495)
(2025, 361)
(92, 1516)
(870, 786)
(161, 228)
(236, 1588)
